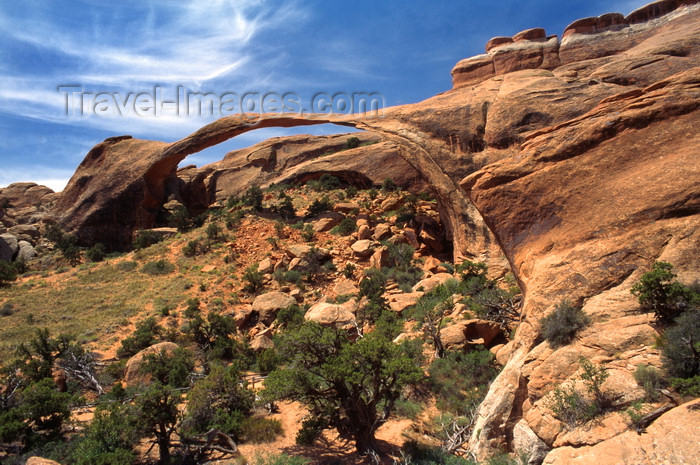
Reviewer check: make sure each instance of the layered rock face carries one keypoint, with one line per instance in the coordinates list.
(580, 155)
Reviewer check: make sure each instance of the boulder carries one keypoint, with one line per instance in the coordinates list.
(345, 287)
(400, 302)
(327, 221)
(364, 232)
(265, 266)
(40, 461)
(244, 317)
(526, 441)
(392, 203)
(25, 232)
(346, 207)
(267, 305)
(26, 251)
(327, 314)
(363, 248)
(381, 231)
(9, 247)
(430, 283)
(261, 341)
(380, 258)
(472, 333)
(667, 440)
(132, 373)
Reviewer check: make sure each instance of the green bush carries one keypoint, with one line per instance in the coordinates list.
(319, 206)
(308, 234)
(253, 197)
(650, 379)
(419, 454)
(213, 232)
(191, 249)
(281, 459)
(406, 408)
(158, 268)
(109, 438)
(352, 142)
(658, 292)
(96, 253)
(260, 430)
(326, 182)
(346, 227)
(126, 266)
(681, 350)
(253, 278)
(349, 270)
(146, 238)
(687, 386)
(144, 336)
(285, 208)
(460, 380)
(559, 328)
(7, 309)
(8, 273)
(571, 406)
(291, 316)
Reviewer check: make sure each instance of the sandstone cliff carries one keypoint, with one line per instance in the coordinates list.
(580, 155)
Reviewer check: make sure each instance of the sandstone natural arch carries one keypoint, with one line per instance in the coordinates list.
(581, 156)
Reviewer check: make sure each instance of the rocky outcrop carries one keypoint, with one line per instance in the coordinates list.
(133, 375)
(669, 439)
(269, 304)
(581, 158)
(25, 203)
(40, 461)
(584, 39)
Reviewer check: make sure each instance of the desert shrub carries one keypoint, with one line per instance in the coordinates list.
(326, 182)
(146, 238)
(126, 266)
(281, 459)
(406, 408)
(259, 430)
(191, 248)
(346, 227)
(311, 429)
(291, 316)
(96, 253)
(388, 185)
(213, 232)
(560, 327)
(109, 438)
(158, 268)
(7, 309)
(687, 386)
(171, 369)
(419, 454)
(20, 265)
(220, 401)
(352, 142)
(681, 350)
(268, 360)
(460, 380)
(349, 270)
(573, 407)
(285, 208)
(193, 308)
(658, 292)
(253, 197)
(319, 206)
(308, 234)
(372, 193)
(287, 276)
(8, 273)
(350, 192)
(253, 278)
(650, 379)
(144, 336)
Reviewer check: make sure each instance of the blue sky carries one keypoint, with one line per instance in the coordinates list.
(402, 49)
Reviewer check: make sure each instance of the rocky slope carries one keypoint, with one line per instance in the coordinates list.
(579, 154)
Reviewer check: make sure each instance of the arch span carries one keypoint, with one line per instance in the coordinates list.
(122, 181)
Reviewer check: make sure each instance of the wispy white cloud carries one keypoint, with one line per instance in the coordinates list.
(192, 43)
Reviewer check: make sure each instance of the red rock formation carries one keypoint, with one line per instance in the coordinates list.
(585, 172)
(583, 39)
